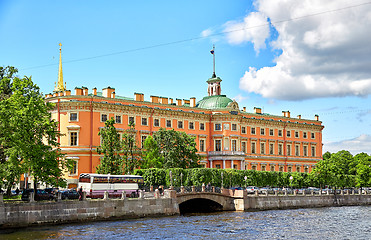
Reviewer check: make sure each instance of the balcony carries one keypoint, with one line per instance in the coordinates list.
(226, 153)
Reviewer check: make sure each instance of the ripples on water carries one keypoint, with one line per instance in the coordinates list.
(314, 223)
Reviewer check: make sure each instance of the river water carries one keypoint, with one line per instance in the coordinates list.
(312, 223)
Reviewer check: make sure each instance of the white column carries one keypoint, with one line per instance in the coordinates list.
(232, 164)
(223, 163)
(211, 163)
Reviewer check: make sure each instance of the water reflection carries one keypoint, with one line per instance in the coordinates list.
(323, 223)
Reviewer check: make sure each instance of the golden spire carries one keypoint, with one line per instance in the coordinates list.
(60, 86)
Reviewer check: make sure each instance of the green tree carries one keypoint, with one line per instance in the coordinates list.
(111, 162)
(363, 173)
(151, 154)
(177, 149)
(130, 150)
(29, 138)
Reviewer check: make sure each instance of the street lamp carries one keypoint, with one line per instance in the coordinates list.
(171, 180)
(181, 179)
(245, 180)
(291, 178)
(222, 180)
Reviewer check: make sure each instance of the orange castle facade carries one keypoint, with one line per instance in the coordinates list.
(226, 136)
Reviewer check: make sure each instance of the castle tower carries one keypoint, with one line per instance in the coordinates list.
(214, 88)
(59, 87)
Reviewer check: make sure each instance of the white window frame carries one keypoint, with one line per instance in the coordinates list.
(171, 123)
(146, 121)
(101, 117)
(133, 119)
(116, 119)
(77, 138)
(217, 124)
(202, 124)
(77, 117)
(154, 122)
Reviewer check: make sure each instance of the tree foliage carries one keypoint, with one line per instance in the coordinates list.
(111, 162)
(131, 152)
(151, 154)
(28, 136)
(177, 149)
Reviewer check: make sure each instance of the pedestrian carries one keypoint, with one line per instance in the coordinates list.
(80, 193)
(17, 191)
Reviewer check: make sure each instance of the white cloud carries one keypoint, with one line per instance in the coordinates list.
(323, 55)
(255, 30)
(239, 98)
(206, 33)
(355, 145)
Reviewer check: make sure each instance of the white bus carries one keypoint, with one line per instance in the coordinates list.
(96, 184)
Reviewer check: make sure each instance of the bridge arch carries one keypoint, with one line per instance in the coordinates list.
(204, 202)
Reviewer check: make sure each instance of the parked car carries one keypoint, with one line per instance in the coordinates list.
(40, 195)
(252, 189)
(70, 194)
(51, 190)
(266, 190)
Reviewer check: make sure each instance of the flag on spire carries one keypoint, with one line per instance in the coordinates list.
(212, 51)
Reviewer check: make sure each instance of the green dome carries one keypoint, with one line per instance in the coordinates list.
(214, 102)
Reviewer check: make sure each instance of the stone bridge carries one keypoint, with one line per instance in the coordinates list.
(205, 202)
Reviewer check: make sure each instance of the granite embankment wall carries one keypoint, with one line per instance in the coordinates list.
(24, 214)
(35, 213)
(299, 201)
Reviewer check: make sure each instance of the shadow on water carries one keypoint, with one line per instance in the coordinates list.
(199, 205)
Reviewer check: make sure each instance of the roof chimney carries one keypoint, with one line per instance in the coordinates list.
(316, 117)
(193, 102)
(179, 102)
(299, 116)
(139, 97)
(107, 92)
(95, 91)
(258, 110)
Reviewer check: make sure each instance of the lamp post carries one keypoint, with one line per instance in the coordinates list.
(222, 181)
(171, 180)
(181, 179)
(245, 180)
(291, 178)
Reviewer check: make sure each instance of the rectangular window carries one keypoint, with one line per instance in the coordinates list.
(73, 138)
(272, 168)
(144, 121)
(263, 167)
(73, 117)
(262, 131)
(144, 137)
(202, 145)
(218, 145)
(288, 134)
(217, 166)
(191, 125)
(131, 120)
(298, 168)
(304, 134)
(305, 151)
(313, 151)
(243, 147)
(289, 169)
(262, 148)
(218, 127)
(118, 119)
(103, 117)
(306, 169)
(202, 126)
(180, 124)
(156, 122)
(280, 133)
(271, 148)
(234, 145)
(281, 168)
(253, 130)
(253, 147)
(296, 134)
(243, 130)
(73, 170)
(280, 149)
(168, 123)
(271, 132)
(297, 150)
(234, 127)
(253, 167)
(313, 136)
(288, 150)
(234, 166)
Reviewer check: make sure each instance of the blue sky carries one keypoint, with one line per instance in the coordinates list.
(307, 57)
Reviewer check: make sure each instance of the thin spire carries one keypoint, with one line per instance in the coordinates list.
(60, 86)
(213, 53)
